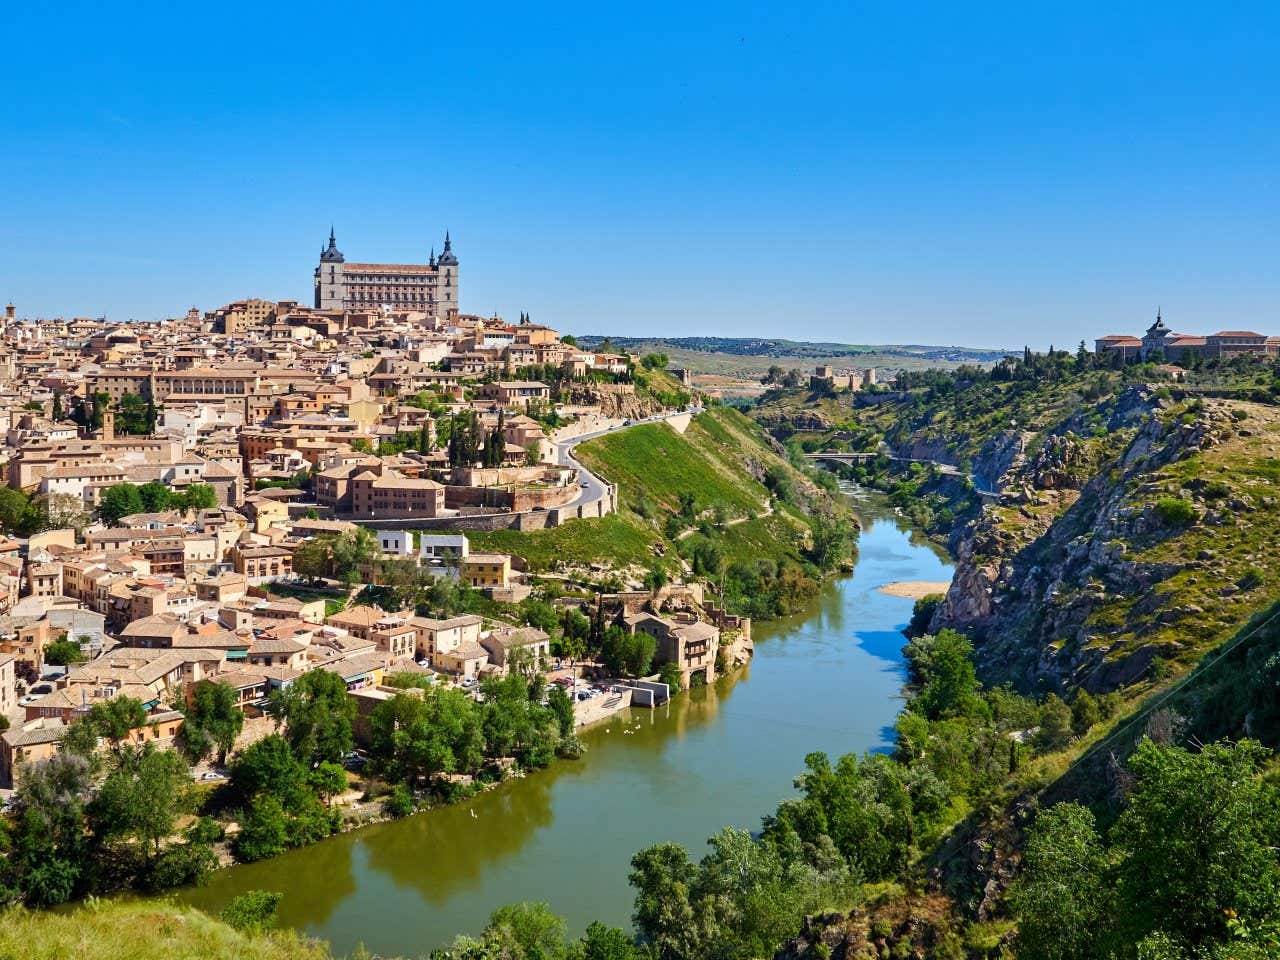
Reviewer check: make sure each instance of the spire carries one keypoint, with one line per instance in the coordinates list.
(331, 236)
(447, 257)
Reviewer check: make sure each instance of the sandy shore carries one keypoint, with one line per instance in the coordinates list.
(914, 589)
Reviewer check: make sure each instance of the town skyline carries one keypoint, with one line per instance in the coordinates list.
(963, 175)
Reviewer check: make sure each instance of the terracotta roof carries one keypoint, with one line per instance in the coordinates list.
(1238, 333)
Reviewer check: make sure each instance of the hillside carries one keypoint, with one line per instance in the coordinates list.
(749, 358)
(1137, 522)
(706, 502)
(106, 930)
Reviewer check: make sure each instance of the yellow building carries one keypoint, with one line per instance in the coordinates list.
(486, 570)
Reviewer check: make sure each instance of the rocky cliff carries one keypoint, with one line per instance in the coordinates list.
(1112, 549)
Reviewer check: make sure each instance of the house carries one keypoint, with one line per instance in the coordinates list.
(683, 640)
(397, 543)
(262, 563)
(486, 570)
(505, 641)
(438, 637)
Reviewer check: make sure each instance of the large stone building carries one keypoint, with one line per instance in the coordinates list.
(1161, 341)
(431, 287)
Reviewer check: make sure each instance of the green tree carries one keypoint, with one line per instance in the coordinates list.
(1198, 838)
(663, 876)
(155, 497)
(317, 714)
(141, 799)
(115, 720)
(1062, 899)
(263, 830)
(119, 500)
(198, 496)
(267, 766)
(62, 652)
(213, 720)
(328, 780)
(529, 931)
(948, 681)
(17, 515)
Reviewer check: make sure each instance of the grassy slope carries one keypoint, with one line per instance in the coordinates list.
(104, 930)
(652, 464)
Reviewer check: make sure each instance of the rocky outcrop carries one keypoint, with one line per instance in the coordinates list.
(1034, 572)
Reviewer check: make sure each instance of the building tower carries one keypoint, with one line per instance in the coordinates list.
(447, 289)
(108, 423)
(329, 279)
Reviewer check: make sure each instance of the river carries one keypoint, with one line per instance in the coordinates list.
(826, 679)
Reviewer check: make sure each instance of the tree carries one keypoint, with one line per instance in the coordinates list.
(560, 704)
(1062, 899)
(50, 837)
(17, 515)
(155, 497)
(608, 943)
(1198, 838)
(662, 876)
(267, 766)
(328, 780)
(263, 830)
(115, 720)
(59, 511)
(944, 667)
(213, 720)
(317, 714)
(119, 500)
(530, 930)
(62, 652)
(141, 799)
(199, 496)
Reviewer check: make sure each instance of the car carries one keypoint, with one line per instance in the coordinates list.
(212, 775)
(424, 662)
(584, 484)
(29, 698)
(42, 688)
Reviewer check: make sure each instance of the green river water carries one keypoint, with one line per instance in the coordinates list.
(826, 679)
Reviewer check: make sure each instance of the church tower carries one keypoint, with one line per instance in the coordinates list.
(329, 280)
(447, 286)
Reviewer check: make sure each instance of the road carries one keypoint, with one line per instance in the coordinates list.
(591, 487)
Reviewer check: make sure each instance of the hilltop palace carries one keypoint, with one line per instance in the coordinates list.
(430, 287)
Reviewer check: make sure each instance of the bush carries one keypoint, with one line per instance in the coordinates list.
(253, 911)
(1253, 577)
(181, 865)
(399, 802)
(1175, 512)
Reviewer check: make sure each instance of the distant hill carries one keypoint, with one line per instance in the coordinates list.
(734, 366)
(800, 349)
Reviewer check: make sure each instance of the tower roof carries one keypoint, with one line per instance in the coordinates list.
(332, 254)
(447, 258)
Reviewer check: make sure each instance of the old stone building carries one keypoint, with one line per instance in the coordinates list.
(430, 287)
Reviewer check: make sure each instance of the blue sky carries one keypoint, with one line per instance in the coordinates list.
(986, 175)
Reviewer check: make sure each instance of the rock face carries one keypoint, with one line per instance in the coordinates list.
(1034, 571)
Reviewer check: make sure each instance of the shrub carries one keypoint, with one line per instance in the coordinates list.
(253, 911)
(399, 802)
(1253, 577)
(1175, 512)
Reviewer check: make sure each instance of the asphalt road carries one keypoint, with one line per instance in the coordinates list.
(590, 487)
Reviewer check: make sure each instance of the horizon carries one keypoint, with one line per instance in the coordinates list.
(840, 176)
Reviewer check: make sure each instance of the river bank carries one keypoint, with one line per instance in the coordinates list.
(828, 678)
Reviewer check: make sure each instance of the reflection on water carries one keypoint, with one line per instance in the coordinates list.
(827, 678)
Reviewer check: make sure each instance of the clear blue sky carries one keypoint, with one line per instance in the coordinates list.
(863, 173)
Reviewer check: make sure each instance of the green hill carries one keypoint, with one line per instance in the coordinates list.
(710, 502)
